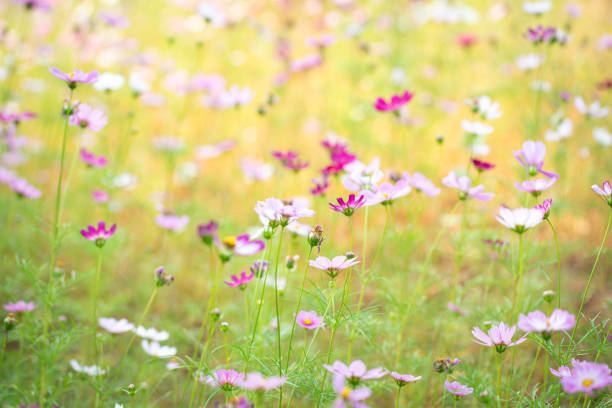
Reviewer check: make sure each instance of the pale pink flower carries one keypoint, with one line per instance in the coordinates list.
(464, 185)
(309, 320)
(499, 337)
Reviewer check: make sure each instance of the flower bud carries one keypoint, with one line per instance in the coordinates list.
(548, 295)
(131, 389)
(291, 262)
(224, 326)
(215, 314)
(350, 255)
(315, 237)
(10, 322)
(440, 139)
(268, 232)
(259, 268)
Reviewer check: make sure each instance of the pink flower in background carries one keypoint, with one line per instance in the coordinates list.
(422, 184)
(100, 234)
(531, 156)
(361, 177)
(348, 208)
(256, 381)
(240, 282)
(172, 222)
(347, 395)
(394, 104)
(320, 186)
(212, 83)
(24, 189)
(454, 308)
(519, 219)
(256, 170)
(464, 184)
(208, 232)
(541, 34)
(273, 212)
(91, 159)
(87, 117)
(225, 379)
(538, 322)
(386, 193)
(402, 379)
(536, 186)
(42, 5)
(564, 371)
(240, 245)
(586, 377)
(216, 150)
(76, 76)
(545, 207)
(99, 196)
(305, 63)
(355, 372)
(20, 306)
(290, 160)
(113, 19)
(466, 40)
(115, 326)
(333, 266)
(309, 320)
(15, 117)
(499, 336)
(458, 389)
(322, 41)
(482, 165)
(605, 191)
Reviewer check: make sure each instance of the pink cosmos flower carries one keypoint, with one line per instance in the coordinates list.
(24, 189)
(355, 372)
(402, 379)
(545, 207)
(386, 193)
(322, 41)
(42, 5)
(320, 186)
(394, 104)
(75, 77)
(172, 222)
(256, 170)
(605, 191)
(20, 306)
(536, 186)
(457, 388)
(422, 184)
(361, 176)
(333, 266)
(309, 320)
(240, 245)
(88, 118)
(464, 185)
(208, 232)
(98, 235)
(6, 175)
(564, 371)
(99, 196)
(91, 159)
(532, 158)
(15, 117)
(216, 150)
(538, 322)
(586, 377)
(348, 208)
(240, 282)
(499, 337)
(347, 395)
(273, 212)
(454, 308)
(482, 165)
(466, 40)
(290, 159)
(519, 219)
(227, 380)
(305, 63)
(541, 34)
(256, 381)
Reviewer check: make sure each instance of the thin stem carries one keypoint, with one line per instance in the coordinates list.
(554, 232)
(331, 343)
(397, 399)
(3, 348)
(94, 315)
(586, 290)
(142, 316)
(519, 293)
(532, 369)
(213, 267)
(278, 324)
(498, 359)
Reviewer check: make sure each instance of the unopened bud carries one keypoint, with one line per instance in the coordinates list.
(224, 326)
(548, 295)
(215, 314)
(10, 322)
(315, 237)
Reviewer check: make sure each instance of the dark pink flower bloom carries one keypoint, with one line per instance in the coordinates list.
(91, 159)
(394, 104)
(100, 234)
(75, 77)
(482, 165)
(348, 208)
(240, 282)
(99, 196)
(466, 40)
(320, 186)
(227, 380)
(402, 379)
(541, 34)
(208, 232)
(20, 306)
(545, 207)
(290, 160)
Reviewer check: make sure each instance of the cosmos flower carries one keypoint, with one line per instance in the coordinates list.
(499, 337)
(108, 82)
(528, 62)
(594, 110)
(402, 379)
(152, 334)
(138, 85)
(605, 191)
(76, 76)
(154, 349)
(386, 193)
(355, 372)
(256, 170)
(586, 377)
(309, 320)
(115, 326)
(89, 118)
(256, 381)
(457, 388)
(466, 40)
(422, 184)
(290, 159)
(454, 308)
(100, 234)
(482, 165)
(216, 150)
(538, 322)
(16, 117)
(333, 266)
(240, 245)
(545, 207)
(563, 130)
(91, 371)
(541, 34)
(348, 208)
(273, 212)
(208, 232)
(485, 107)
(240, 282)
(24, 189)
(172, 222)
(19, 307)
(306, 63)
(476, 128)
(43, 5)
(563, 371)
(224, 379)
(536, 186)
(602, 136)
(347, 395)
(91, 159)
(519, 219)
(537, 7)
(464, 185)
(531, 156)
(99, 196)
(394, 104)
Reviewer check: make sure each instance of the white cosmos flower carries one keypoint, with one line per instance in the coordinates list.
(156, 350)
(152, 334)
(594, 110)
(115, 326)
(519, 219)
(562, 131)
(529, 61)
(476, 128)
(109, 82)
(91, 371)
(537, 7)
(602, 136)
(138, 85)
(361, 176)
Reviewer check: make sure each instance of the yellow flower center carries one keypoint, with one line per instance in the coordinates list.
(307, 322)
(230, 241)
(71, 75)
(587, 382)
(346, 392)
(385, 195)
(547, 323)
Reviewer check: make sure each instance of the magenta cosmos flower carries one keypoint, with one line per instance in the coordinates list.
(348, 208)
(545, 207)
(91, 159)
(464, 185)
(394, 104)
(42, 5)
(87, 117)
(290, 160)
(99, 196)
(240, 282)
(227, 380)
(585, 376)
(605, 191)
(75, 77)
(256, 381)
(24, 189)
(499, 337)
(482, 165)
(333, 266)
(458, 389)
(519, 219)
(538, 322)
(20, 306)
(349, 396)
(402, 379)
(208, 232)
(422, 184)
(355, 372)
(531, 156)
(274, 212)
(386, 193)
(172, 222)
(16, 117)
(536, 186)
(240, 245)
(98, 235)
(541, 34)
(309, 320)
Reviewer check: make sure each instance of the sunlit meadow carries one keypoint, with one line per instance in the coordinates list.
(305, 203)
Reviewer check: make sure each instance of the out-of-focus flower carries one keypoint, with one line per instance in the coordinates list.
(19, 307)
(466, 40)
(454, 308)
(538, 322)
(594, 110)
(605, 191)
(333, 266)
(290, 160)
(386, 193)
(91, 371)
(422, 184)
(485, 107)
(274, 212)
(355, 372)
(519, 219)
(208, 232)
(394, 103)
(536, 186)
(108, 82)
(602, 136)
(154, 349)
(545, 207)
(115, 326)
(563, 130)
(87, 117)
(100, 234)
(255, 170)
(172, 222)
(240, 245)
(537, 7)
(541, 34)
(152, 333)
(240, 282)
(586, 377)
(256, 381)
(528, 62)
(305, 63)
(227, 380)
(322, 41)
(563, 371)
(402, 379)
(499, 337)
(531, 156)
(138, 85)
(347, 395)
(91, 159)
(169, 144)
(211, 13)
(309, 320)
(361, 177)
(113, 19)
(482, 165)
(348, 208)
(476, 128)
(76, 76)
(16, 117)
(457, 388)
(43, 5)
(212, 151)
(24, 189)
(464, 185)
(99, 196)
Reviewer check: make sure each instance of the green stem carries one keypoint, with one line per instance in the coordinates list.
(278, 324)
(519, 293)
(397, 399)
(3, 348)
(331, 344)
(497, 392)
(94, 316)
(213, 267)
(142, 316)
(532, 369)
(554, 232)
